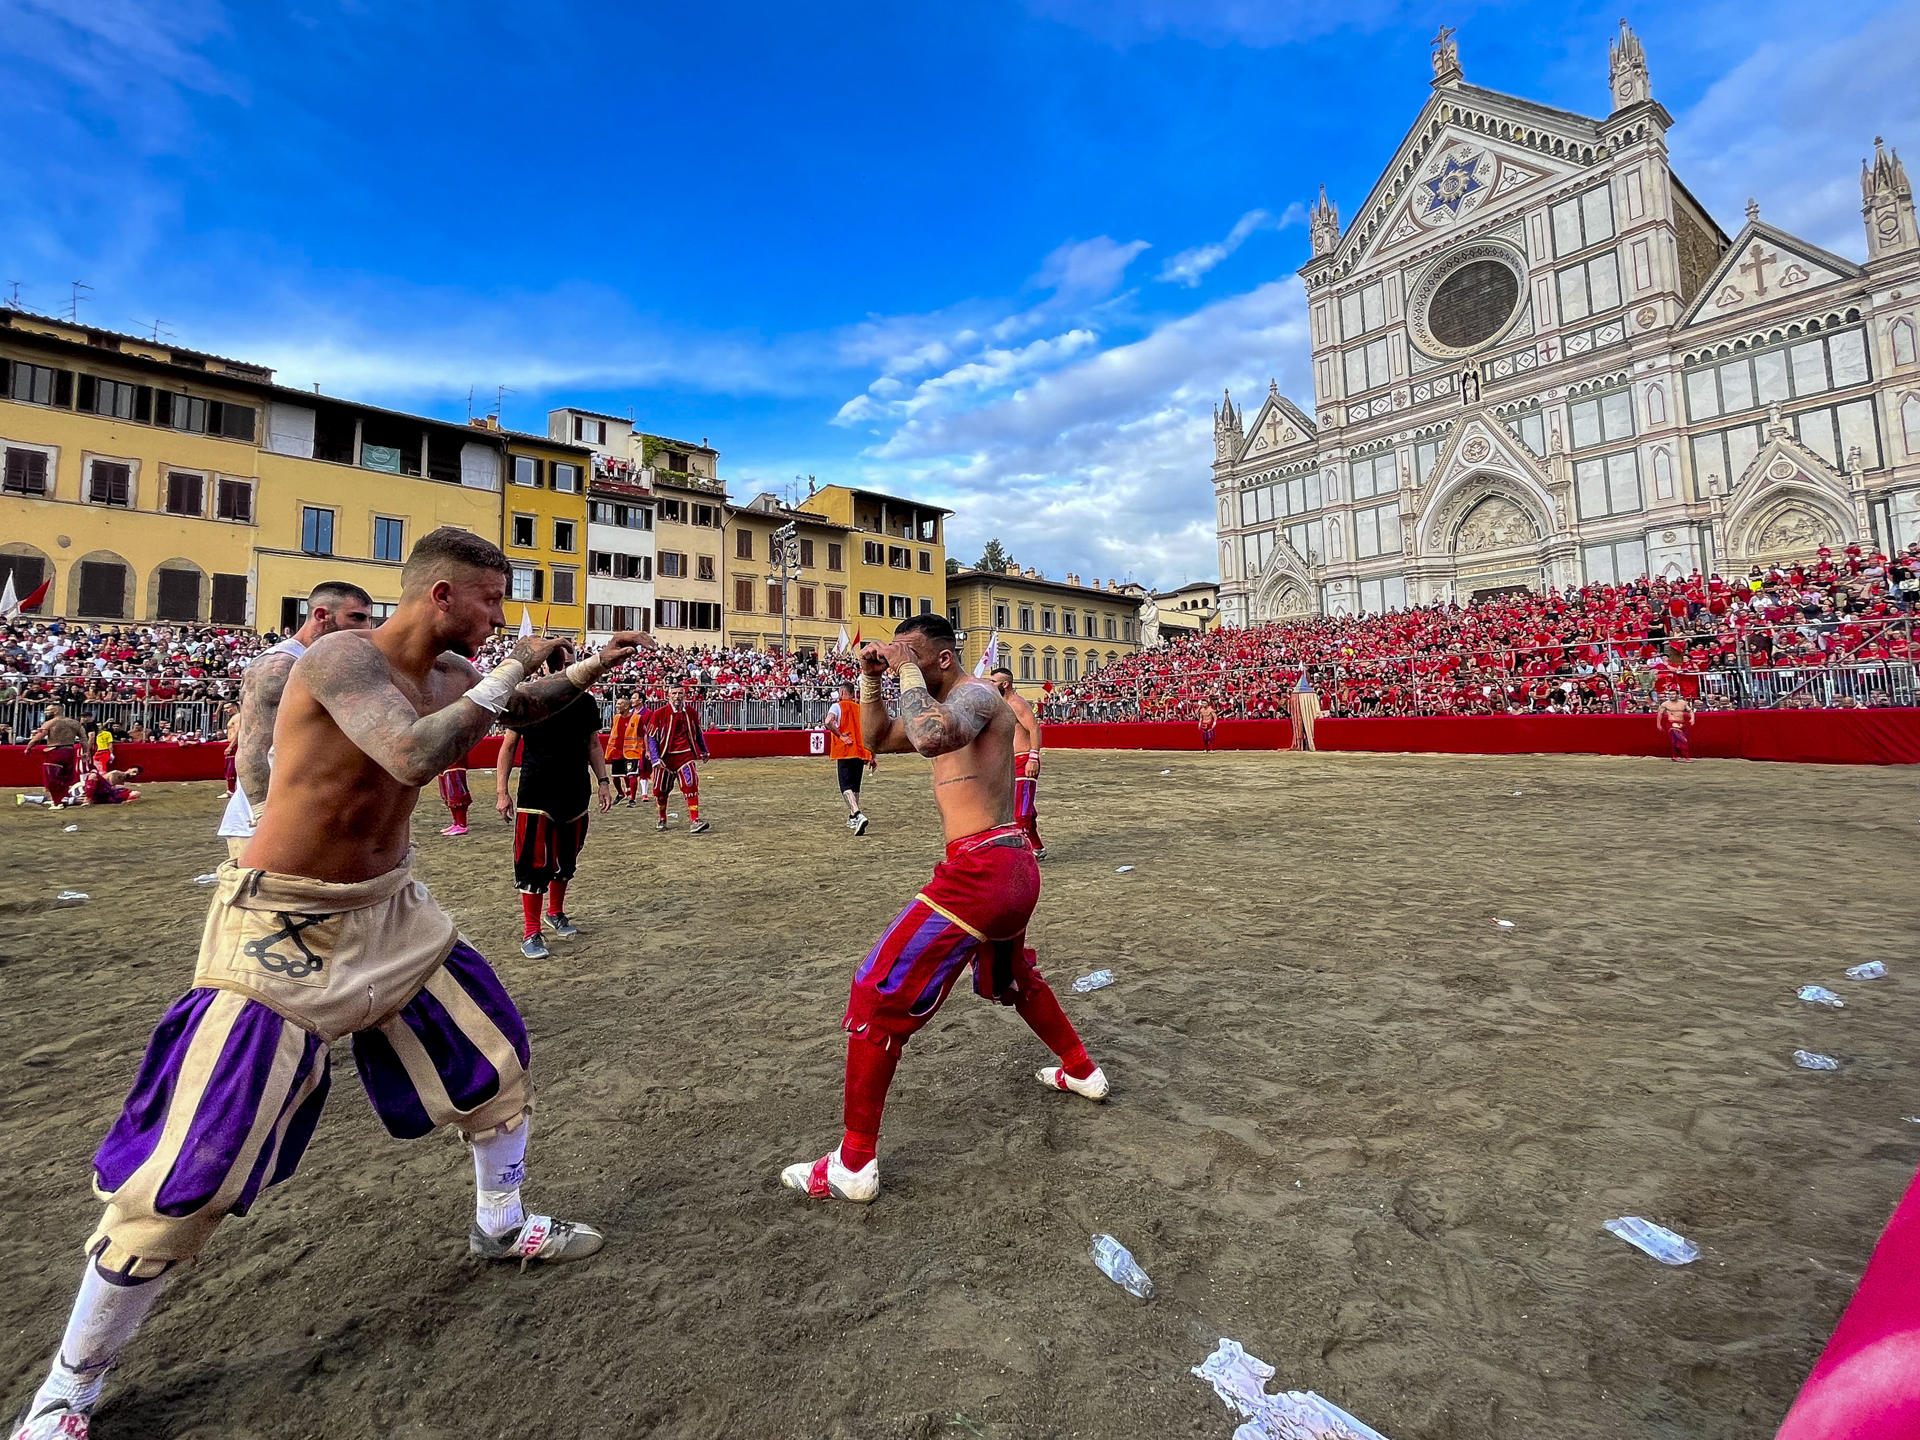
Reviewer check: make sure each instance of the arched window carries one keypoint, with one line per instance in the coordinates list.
(1049, 666)
(1026, 662)
(1910, 422)
(1072, 672)
(102, 587)
(177, 590)
(27, 567)
(1905, 350)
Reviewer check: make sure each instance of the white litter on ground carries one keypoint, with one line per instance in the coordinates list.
(1123, 869)
(1240, 1380)
(212, 877)
(1503, 924)
(73, 895)
(71, 828)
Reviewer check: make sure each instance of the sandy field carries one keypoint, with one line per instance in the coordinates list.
(1355, 1125)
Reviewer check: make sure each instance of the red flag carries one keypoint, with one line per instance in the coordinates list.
(32, 600)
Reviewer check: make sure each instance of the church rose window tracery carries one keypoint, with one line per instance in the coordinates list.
(1469, 300)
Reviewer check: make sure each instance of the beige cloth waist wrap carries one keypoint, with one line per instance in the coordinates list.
(332, 958)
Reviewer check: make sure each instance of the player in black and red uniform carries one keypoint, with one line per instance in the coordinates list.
(675, 742)
(556, 758)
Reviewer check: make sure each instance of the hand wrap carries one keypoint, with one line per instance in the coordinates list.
(497, 687)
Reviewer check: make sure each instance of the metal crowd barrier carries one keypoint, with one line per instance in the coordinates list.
(200, 719)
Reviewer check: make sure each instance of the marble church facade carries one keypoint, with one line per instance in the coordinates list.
(1538, 361)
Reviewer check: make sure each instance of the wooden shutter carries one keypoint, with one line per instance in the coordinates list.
(229, 600)
(179, 597)
(103, 589)
(27, 571)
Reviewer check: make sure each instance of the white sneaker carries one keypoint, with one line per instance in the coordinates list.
(860, 823)
(59, 1422)
(1094, 1087)
(827, 1178)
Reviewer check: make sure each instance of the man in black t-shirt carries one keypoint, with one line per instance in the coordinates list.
(555, 758)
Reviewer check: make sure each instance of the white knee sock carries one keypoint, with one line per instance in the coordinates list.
(105, 1315)
(499, 1170)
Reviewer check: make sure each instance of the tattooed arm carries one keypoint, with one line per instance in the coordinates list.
(349, 677)
(260, 696)
(535, 699)
(934, 728)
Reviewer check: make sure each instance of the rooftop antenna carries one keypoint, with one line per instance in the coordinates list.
(500, 401)
(73, 305)
(156, 328)
(469, 404)
(13, 300)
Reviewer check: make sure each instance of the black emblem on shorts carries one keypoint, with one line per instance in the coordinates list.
(294, 967)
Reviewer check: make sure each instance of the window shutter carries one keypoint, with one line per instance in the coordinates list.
(539, 583)
(229, 600)
(179, 597)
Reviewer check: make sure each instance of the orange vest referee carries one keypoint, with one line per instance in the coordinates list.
(626, 747)
(849, 753)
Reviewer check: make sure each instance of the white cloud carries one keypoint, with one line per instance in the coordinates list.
(1189, 267)
(1087, 269)
(1101, 464)
(1790, 124)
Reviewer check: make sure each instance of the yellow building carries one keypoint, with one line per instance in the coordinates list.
(544, 530)
(149, 482)
(764, 612)
(1050, 631)
(897, 556)
(690, 516)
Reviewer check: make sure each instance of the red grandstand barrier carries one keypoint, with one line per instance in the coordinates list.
(1863, 1385)
(1814, 737)
(1817, 737)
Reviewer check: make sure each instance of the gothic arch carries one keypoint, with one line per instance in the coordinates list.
(1286, 586)
(1451, 504)
(1790, 517)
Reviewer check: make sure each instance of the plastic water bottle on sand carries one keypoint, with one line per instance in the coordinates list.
(1872, 970)
(1098, 980)
(1807, 1060)
(1820, 995)
(1658, 1241)
(1116, 1262)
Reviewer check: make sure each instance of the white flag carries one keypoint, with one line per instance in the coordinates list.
(10, 602)
(989, 657)
(840, 648)
(526, 623)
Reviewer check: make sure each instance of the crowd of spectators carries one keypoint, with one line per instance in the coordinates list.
(1599, 648)
(176, 682)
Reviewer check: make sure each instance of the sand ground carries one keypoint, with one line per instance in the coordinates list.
(1355, 1126)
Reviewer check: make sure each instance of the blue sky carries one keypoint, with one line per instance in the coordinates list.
(1002, 256)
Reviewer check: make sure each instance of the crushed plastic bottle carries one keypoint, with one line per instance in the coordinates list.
(1872, 970)
(1658, 1241)
(1098, 980)
(72, 829)
(1808, 1060)
(1116, 1262)
(212, 877)
(1124, 870)
(1820, 995)
(73, 895)
(1240, 1380)
(1504, 924)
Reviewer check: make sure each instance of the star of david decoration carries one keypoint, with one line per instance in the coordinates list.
(1452, 185)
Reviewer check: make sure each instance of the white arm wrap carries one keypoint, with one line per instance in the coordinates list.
(496, 689)
(582, 673)
(869, 689)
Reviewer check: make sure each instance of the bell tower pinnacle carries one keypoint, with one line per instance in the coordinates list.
(1886, 204)
(1627, 70)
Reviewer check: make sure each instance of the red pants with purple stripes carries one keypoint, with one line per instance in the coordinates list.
(973, 912)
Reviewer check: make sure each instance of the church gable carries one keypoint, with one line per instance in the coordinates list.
(1788, 502)
(1762, 266)
(1278, 428)
(1463, 175)
(1468, 148)
(1480, 444)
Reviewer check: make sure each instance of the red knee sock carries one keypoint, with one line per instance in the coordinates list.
(633, 787)
(530, 912)
(869, 1072)
(1040, 1008)
(660, 799)
(693, 806)
(557, 898)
